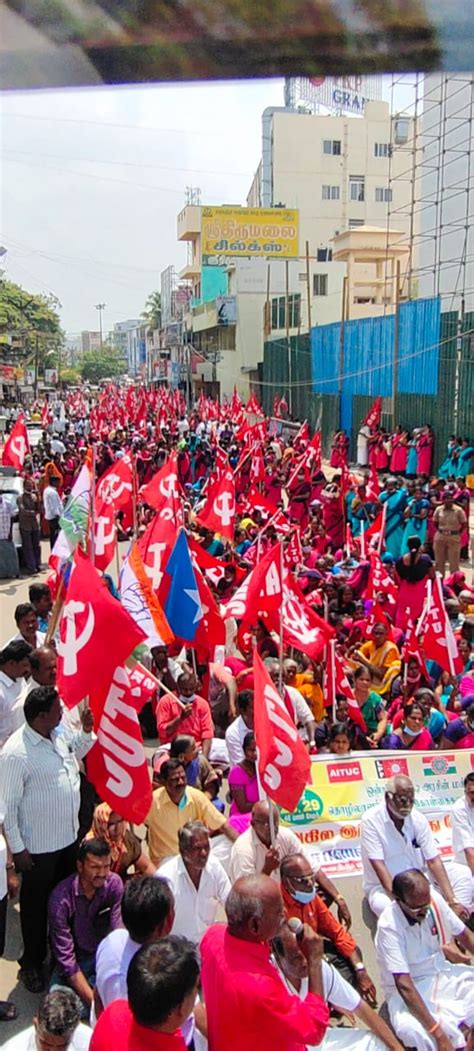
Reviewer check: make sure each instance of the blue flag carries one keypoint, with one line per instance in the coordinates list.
(183, 608)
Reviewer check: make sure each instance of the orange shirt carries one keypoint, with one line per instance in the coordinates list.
(317, 915)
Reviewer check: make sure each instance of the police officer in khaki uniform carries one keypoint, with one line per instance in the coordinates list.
(450, 521)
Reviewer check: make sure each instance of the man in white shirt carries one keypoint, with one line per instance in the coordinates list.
(57, 1024)
(235, 733)
(429, 998)
(198, 880)
(253, 855)
(40, 786)
(462, 824)
(53, 508)
(147, 915)
(395, 836)
(14, 665)
(337, 992)
(302, 714)
(57, 446)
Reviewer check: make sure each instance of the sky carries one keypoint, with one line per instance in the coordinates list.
(93, 180)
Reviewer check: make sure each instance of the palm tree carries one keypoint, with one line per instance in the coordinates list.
(152, 311)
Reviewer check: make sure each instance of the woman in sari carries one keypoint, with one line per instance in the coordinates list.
(299, 493)
(424, 450)
(333, 512)
(381, 658)
(449, 465)
(413, 570)
(466, 453)
(416, 517)
(396, 501)
(462, 497)
(412, 460)
(412, 734)
(399, 456)
(339, 449)
(125, 846)
(243, 786)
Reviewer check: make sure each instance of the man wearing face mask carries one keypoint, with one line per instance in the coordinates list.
(428, 988)
(396, 836)
(186, 714)
(301, 900)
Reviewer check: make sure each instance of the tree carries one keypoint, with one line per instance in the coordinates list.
(99, 365)
(33, 320)
(152, 311)
(70, 377)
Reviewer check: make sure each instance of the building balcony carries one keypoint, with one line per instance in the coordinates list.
(189, 223)
(190, 272)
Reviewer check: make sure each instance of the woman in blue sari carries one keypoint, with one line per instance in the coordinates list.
(449, 466)
(466, 453)
(416, 516)
(396, 502)
(412, 461)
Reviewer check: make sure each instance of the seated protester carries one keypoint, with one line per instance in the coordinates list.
(294, 702)
(372, 709)
(125, 847)
(430, 1000)
(162, 986)
(236, 732)
(57, 1024)
(42, 602)
(409, 681)
(396, 836)
(147, 916)
(186, 714)
(381, 657)
(173, 805)
(339, 739)
(459, 733)
(300, 898)
(82, 910)
(14, 666)
(308, 682)
(198, 881)
(337, 993)
(412, 732)
(462, 825)
(253, 855)
(26, 621)
(243, 786)
(199, 772)
(435, 720)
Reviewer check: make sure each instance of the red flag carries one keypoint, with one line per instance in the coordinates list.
(373, 416)
(113, 493)
(281, 523)
(260, 592)
(253, 406)
(284, 764)
(302, 626)
(411, 650)
(156, 544)
(105, 535)
(164, 484)
(117, 765)
(293, 551)
(255, 501)
(380, 580)
(218, 513)
(213, 567)
(45, 414)
(338, 683)
(210, 637)
(96, 634)
(375, 529)
(17, 446)
(373, 487)
(377, 616)
(439, 642)
(302, 435)
(257, 467)
(115, 485)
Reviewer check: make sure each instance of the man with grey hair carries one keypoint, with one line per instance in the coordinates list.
(395, 836)
(198, 881)
(56, 1025)
(247, 1005)
(295, 703)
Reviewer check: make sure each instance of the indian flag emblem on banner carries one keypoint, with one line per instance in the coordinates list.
(437, 765)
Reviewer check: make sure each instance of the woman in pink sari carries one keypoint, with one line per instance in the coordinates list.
(399, 456)
(299, 493)
(424, 448)
(243, 786)
(333, 512)
(339, 449)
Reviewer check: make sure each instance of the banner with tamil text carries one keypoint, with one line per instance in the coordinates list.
(327, 818)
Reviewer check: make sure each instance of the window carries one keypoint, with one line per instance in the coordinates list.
(279, 311)
(332, 146)
(331, 193)
(320, 284)
(382, 194)
(355, 222)
(382, 149)
(401, 128)
(324, 255)
(357, 187)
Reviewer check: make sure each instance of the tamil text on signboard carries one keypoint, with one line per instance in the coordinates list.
(248, 233)
(327, 818)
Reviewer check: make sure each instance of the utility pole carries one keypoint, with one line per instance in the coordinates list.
(100, 307)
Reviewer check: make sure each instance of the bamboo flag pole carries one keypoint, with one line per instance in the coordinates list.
(382, 528)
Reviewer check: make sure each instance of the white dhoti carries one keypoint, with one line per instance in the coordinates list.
(459, 876)
(449, 996)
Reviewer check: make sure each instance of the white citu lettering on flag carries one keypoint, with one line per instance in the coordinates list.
(283, 763)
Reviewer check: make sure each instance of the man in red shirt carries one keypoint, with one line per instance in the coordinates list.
(162, 983)
(186, 714)
(247, 1004)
